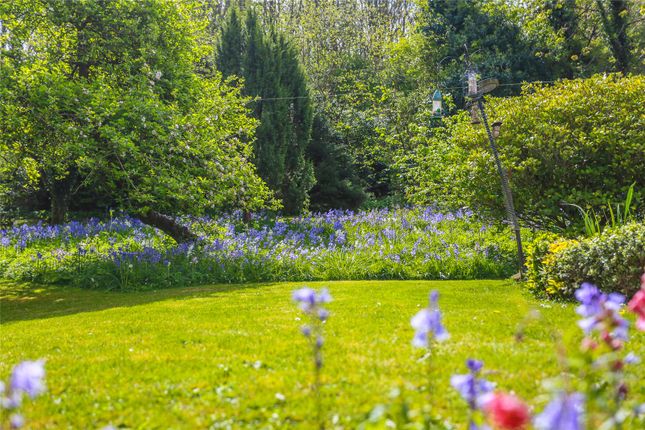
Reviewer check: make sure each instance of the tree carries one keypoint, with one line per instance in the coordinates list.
(583, 37)
(105, 96)
(614, 16)
(345, 48)
(463, 33)
(337, 185)
(565, 23)
(577, 142)
(269, 66)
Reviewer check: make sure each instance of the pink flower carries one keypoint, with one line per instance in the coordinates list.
(637, 305)
(507, 412)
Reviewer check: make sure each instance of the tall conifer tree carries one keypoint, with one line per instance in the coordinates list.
(271, 71)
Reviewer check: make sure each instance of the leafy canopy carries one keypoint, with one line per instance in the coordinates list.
(106, 96)
(578, 141)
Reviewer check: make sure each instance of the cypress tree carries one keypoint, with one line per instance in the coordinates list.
(337, 184)
(269, 65)
(230, 48)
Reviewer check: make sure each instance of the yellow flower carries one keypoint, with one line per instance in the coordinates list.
(554, 249)
(554, 286)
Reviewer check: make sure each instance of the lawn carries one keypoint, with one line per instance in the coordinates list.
(232, 356)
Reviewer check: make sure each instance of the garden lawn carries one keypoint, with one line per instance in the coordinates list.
(232, 356)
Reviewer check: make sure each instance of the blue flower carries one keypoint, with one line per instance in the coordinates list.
(28, 377)
(474, 365)
(601, 311)
(565, 412)
(306, 297)
(590, 299)
(16, 421)
(428, 322)
(309, 301)
(473, 389)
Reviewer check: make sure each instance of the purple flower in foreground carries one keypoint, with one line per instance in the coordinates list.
(17, 421)
(306, 297)
(601, 312)
(563, 413)
(473, 389)
(427, 322)
(474, 365)
(309, 300)
(310, 303)
(28, 377)
(590, 299)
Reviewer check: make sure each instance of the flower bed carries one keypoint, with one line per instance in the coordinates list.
(418, 243)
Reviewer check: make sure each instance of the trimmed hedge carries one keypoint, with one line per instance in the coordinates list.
(613, 260)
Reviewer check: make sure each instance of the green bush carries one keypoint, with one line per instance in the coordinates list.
(574, 142)
(613, 261)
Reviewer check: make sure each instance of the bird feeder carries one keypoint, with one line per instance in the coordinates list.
(496, 126)
(437, 104)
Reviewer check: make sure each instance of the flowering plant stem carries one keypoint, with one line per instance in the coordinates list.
(310, 302)
(317, 356)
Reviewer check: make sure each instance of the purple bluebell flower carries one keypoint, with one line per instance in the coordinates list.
(474, 390)
(474, 365)
(565, 412)
(389, 233)
(16, 421)
(632, 358)
(427, 323)
(590, 299)
(601, 312)
(306, 297)
(27, 377)
(306, 330)
(309, 301)
(323, 314)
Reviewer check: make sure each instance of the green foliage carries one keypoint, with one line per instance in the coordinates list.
(360, 65)
(107, 98)
(461, 31)
(380, 244)
(269, 65)
(530, 40)
(577, 141)
(613, 260)
(594, 223)
(337, 185)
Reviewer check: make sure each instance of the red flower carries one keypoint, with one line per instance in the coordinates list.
(637, 305)
(507, 412)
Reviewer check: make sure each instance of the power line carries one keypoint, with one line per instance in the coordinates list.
(320, 96)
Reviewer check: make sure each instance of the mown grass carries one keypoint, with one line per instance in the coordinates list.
(224, 356)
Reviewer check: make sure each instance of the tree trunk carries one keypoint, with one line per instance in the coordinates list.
(614, 23)
(169, 226)
(60, 194)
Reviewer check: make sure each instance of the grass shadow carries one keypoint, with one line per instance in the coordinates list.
(23, 301)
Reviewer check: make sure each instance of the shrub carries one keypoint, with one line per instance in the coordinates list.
(574, 142)
(612, 260)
